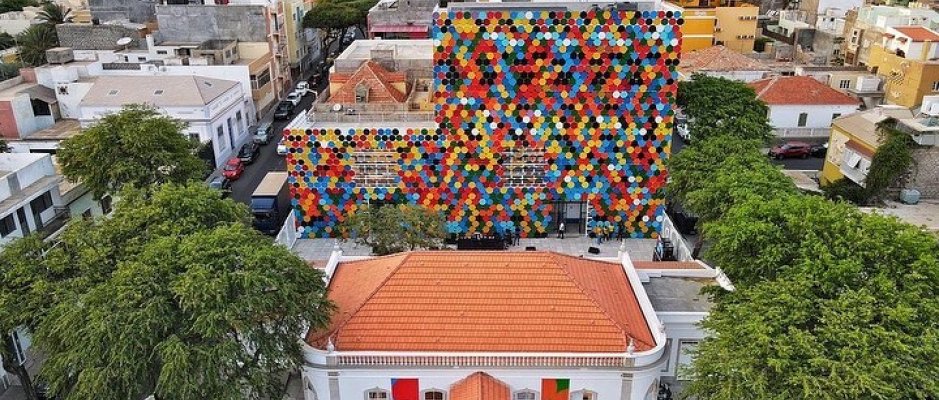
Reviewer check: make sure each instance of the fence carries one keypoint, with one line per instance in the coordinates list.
(802, 132)
(288, 233)
(682, 252)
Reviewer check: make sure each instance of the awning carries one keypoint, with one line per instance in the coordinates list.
(399, 28)
(860, 149)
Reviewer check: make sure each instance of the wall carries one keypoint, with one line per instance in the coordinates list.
(609, 151)
(698, 30)
(819, 116)
(735, 22)
(8, 128)
(198, 23)
(138, 11)
(925, 172)
(608, 384)
(831, 170)
(905, 81)
(26, 121)
(14, 26)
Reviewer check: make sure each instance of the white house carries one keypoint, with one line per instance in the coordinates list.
(503, 325)
(801, 106)
(213, 109)
(29, 196)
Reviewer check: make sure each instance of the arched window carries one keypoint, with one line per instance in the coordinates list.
(433, 394)
(377, 394)
(525, 394)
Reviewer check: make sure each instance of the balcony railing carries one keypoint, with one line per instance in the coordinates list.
(58, 221)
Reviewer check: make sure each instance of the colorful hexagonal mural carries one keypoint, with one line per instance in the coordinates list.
(534, 112)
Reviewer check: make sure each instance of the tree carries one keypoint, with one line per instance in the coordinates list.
(55, 14)
(134, 147)
(16, 5)
(33, 43)
(394, 228)
(695, 165)
(830, 303)
(173, 295)
(334, 17)
(722, 107)
(6, 41)
(734, 184)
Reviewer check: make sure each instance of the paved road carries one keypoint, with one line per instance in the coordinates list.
(807, 164)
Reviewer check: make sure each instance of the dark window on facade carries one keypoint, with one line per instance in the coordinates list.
(106, 205)
(7, 225)
(258, 81)
(803, 118)
(41, 203)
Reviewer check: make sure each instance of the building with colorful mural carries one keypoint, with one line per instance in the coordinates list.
(563, 113)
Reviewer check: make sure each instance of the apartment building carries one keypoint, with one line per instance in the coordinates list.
(865, 27)
(907, 58)
(729, 23)
(30, 200)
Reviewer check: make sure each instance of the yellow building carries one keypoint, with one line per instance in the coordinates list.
(293, 30)
(853, 142)
(711, 22)
(907, 60)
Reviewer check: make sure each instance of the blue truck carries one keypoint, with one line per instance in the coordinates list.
(270, 203)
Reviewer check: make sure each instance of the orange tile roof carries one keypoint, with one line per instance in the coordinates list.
(484, 301)
(918, 33)
(667, 265)
(718, 58)
(480, 386)
(798, 90)
(376, 78)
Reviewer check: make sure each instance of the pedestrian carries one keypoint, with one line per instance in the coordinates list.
(561, 230)
(609, 231)
(598, 233)
(518, 235)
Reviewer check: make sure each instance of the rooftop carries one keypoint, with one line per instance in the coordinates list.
(863, 125)
(62, 129)
(798, 90)
(678, 294)
(159, 91)
(402, 49)
(484, 301)
(480, 386)
(14, 161)
(918, 33)
(718, 58)
(370, 79)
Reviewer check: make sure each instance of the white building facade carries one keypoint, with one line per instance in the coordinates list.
(523, 341)
(29, 196)
(213, 109)
(801, 106)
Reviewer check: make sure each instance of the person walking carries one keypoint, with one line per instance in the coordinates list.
(518, 235)
(598, 232)
(561, 230)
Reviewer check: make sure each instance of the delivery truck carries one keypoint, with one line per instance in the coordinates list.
(270, 203)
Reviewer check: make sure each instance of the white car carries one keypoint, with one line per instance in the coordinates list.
(303, 88)
(281, 148)
(294, 98)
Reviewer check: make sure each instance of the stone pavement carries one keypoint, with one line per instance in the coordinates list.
(318, 250)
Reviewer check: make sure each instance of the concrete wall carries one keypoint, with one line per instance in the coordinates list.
(96, 37)
(138, 11)
(736, 25)
(198, 23)
(819, 116)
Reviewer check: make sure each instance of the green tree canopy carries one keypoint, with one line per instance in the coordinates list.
(16, 5)
(134, 147)
(394, 228)
(691, 168)
(6, 41)
(722, 107)
(173, 295)
(735, 184)
(335, 17)
(33, 43)
(830, 304)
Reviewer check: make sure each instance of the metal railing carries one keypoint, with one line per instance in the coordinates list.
(347, 117)
(57, 222)
(485, 361)
(802, 132)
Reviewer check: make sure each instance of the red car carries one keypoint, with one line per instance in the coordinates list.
(790, 150)
(233, 169)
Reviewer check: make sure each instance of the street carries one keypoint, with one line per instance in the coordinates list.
(799, 164)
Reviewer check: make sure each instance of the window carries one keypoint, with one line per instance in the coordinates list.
(584, 395)
(258, 81)
(220, 131)
(7, 225)
(241, 127)
(113, 92)
(375, 168)
(844, 84)
(935, 86)
(803, 118)
(106, 205)
(41, 203)
(194, 137)
(524, 168)
(686, 350)
(525, 395)
(158, 92)
(87, 214)
(433, 395)
(161, 52)
(835, 116)
(63, 89)
(377, 394)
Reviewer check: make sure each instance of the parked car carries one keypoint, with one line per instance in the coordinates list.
(295, 98)
(233, 169)
(284, 110)
(249, 152)
(262, 133)
(281, 148)
(819, 150)
(791, 150)
(221, 184)
(303, 88)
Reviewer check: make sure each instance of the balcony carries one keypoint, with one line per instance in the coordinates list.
(56, 223)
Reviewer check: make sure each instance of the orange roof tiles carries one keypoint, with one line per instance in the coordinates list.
(918, 33)
(798, 90)
(484, 301)
(719, 58)
(376, 78)
(480, 386)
